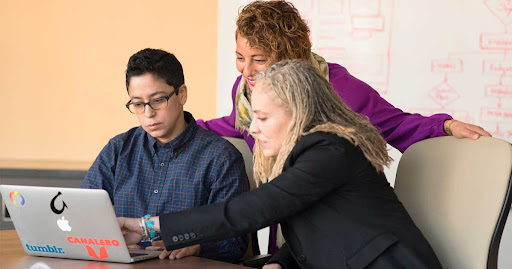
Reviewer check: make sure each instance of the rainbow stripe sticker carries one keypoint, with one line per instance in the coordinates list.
(13, 196)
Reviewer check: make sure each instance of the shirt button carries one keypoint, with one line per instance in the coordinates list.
(162, 164)
(187, 236)
(155, 191)
(301, 258)
(174, 239)
(192, 235)
(180, 237)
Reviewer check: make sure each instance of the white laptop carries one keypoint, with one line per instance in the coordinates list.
(68, 223)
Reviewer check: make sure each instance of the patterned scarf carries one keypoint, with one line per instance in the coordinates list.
(243, 95)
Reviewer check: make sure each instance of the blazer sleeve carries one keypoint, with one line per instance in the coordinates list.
(317, 167)
(399, 128)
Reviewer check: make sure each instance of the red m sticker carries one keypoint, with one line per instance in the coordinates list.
(92, 253)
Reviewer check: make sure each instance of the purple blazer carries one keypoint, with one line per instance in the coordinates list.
(400, 129)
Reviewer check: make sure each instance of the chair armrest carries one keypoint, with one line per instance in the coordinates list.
(256, 261)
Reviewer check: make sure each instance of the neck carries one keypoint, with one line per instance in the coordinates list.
(179, 127)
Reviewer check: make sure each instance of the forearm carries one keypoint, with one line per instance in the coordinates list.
(224, 126)
(400, 129)
(411, 128)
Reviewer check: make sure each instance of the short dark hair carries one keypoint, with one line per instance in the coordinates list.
(157, 62)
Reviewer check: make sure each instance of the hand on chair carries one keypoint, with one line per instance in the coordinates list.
(461, 129)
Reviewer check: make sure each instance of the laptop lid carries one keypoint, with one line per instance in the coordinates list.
(68, 223)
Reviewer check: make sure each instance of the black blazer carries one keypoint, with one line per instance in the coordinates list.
(335, 211)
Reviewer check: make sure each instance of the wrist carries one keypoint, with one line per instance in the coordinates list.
(446, 126)
(147, 227)
(156, 223)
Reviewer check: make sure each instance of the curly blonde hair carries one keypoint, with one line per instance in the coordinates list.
(275, 28)
(315, 107)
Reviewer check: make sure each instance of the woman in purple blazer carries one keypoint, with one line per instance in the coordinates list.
(268, 32)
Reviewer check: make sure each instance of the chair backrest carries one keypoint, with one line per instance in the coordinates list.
(458, 191)
(241, 145)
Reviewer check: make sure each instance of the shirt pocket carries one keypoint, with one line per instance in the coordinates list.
(373, 249)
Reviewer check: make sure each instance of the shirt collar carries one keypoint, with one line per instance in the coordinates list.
(178, 143)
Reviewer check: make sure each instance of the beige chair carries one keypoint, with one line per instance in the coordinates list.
(458, 191)
(252, 257)
(241, 145)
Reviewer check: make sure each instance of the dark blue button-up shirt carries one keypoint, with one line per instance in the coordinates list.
(144, 176)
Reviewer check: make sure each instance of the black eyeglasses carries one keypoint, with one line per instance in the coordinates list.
(155, 104)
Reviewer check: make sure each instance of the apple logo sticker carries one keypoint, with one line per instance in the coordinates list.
(64, 224)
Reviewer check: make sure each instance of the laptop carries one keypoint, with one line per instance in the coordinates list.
(68, 223)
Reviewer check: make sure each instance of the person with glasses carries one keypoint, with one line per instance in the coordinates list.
(168, 163)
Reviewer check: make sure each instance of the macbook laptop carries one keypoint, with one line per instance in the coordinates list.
(68, 223)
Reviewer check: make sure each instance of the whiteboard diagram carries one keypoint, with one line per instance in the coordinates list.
(360, 36)
(356, 34)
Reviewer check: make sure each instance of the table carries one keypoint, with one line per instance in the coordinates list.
(13, 256)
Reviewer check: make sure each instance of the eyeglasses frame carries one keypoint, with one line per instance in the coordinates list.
(167, 97)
